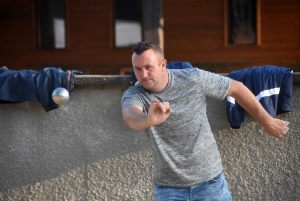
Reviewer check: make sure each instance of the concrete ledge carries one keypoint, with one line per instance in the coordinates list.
(103, 80)
(126, 79)
(296, 77)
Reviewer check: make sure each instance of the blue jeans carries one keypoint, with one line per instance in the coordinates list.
(213, 190)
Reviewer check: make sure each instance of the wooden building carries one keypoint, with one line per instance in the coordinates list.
(96, 36)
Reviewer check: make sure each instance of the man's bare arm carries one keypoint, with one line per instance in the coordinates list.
(136, 119)
(248, 101)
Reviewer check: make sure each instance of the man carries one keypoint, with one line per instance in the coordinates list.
(171, 105)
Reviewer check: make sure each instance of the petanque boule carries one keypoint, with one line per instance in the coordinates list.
(60, 96)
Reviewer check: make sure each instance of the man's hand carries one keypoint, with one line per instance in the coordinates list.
(276, 127)
(135, 118)
(158, 112)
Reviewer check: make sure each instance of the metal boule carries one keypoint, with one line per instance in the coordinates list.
(60, 96)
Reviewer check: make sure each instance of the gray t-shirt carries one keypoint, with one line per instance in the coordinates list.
(184, 149)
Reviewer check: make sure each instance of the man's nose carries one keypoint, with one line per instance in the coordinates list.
(144, 73)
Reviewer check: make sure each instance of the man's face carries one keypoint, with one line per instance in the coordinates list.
(150, 70)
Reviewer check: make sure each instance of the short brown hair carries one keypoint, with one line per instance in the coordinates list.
(141, 47)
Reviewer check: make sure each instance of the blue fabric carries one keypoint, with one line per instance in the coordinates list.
(171, 65)
(215, 190)
(258, 79)
(30, 85)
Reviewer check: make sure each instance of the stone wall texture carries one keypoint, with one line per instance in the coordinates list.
(83, 151)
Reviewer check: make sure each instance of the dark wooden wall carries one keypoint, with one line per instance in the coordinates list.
(89, 38)
(193, 31)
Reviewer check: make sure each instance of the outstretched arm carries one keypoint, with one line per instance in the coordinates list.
(135, 118)
(248, 101)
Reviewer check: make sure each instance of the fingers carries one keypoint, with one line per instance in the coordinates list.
(163, 106)
(285, 128)
(155, 101)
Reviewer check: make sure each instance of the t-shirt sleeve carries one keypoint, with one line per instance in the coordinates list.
(130, 97)
(214, 85)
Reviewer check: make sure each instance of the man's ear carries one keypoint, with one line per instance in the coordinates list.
(164, 64)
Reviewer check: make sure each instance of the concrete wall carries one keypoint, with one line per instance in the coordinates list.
(83, 151)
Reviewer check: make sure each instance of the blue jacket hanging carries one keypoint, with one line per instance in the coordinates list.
(30, 85)
(272, 86)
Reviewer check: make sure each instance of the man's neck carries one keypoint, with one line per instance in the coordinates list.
(165, 81)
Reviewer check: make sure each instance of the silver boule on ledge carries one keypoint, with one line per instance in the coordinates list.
(60, 96)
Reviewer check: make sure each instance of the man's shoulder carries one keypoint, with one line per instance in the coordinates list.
(136, 89)
(186, 71)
